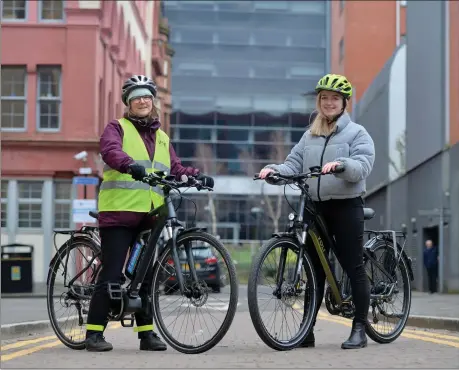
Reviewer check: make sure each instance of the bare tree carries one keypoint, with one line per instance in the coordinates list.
(400, 145)
(205, 157)
(279, 153)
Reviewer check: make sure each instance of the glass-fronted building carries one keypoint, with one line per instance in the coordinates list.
(239, 75)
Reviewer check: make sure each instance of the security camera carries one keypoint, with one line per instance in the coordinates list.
(81, 155)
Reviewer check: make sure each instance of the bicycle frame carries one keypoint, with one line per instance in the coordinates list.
(309, 222)
(166, 218)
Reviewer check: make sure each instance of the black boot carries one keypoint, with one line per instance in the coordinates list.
(149, 341)
(358, 338)
(309, 341)
(96, 343)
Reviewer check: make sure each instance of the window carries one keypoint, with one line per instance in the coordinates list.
(13, 97)
(49, 98)
(403, 2)
(341, 50)
(196, 69)
(271, 5)
(62, 203)
(195, 134)
(4, 203)
(51, 10)
(308, 7)
(14, 10)
(30, 199)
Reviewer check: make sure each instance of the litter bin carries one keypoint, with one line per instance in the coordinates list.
(17, 268)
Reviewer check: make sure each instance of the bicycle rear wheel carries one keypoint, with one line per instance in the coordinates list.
(386, 294)
(287, 300)
(74, 255)
(216, 292)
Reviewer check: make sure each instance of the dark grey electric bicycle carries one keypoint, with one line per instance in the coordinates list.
(290, 281)
(187, 268)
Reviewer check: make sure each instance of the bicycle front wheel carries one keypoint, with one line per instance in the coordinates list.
(195, 323)
(274, 327)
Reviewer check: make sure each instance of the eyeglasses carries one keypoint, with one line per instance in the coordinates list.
(146, 98)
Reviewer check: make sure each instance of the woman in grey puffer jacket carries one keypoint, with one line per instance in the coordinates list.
(332, 140)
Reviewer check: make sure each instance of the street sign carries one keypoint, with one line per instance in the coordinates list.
(81, 208)
(82, 180)
(85, 170)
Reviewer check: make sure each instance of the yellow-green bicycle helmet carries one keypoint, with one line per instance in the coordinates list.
(337, 83)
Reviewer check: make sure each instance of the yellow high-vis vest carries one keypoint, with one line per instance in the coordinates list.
(119, 191)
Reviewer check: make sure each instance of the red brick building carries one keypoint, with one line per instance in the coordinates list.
(63, 64)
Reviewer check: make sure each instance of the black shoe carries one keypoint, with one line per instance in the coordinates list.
(357, 339)
(309, 341)
(149, 341)
(96, 343)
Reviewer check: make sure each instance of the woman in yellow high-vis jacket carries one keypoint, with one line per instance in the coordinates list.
(130, 147)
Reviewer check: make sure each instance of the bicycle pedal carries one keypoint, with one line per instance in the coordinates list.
(130, 320)
(115, 292)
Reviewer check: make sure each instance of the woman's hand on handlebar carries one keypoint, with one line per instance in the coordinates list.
(332, 167)
(265, 172)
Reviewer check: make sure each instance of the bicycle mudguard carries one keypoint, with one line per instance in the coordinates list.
(408, 260)
(191, 229)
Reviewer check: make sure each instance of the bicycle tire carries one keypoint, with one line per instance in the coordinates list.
(232, 305)
(371, 332)
(253, 302)
(62, 253)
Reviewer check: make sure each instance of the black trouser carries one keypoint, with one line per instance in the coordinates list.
(344, 220)
(432, 273)
(115, 246)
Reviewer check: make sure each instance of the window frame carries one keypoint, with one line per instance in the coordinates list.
(40, 99)
(17, 20)
(59, 201)
(17, 98)
(29, 201)
(4, 203)
(40, 11)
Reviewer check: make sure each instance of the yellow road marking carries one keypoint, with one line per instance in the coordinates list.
(411, 334)
(408, 331)
(28, 351)
(27, 342)
(24, 352)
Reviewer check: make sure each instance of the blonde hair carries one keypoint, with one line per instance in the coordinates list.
(320, 125)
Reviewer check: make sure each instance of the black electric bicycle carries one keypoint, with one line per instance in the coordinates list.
(291, 277)
(187, 263)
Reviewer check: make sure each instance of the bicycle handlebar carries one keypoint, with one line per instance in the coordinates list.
(316, 171)
(161, 178)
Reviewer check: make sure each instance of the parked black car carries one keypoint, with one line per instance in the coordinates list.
(207, 268)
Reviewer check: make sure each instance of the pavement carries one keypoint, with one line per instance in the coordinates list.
(241, 348)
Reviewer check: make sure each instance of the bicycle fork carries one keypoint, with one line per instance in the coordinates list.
(189, 256)
(281, 269)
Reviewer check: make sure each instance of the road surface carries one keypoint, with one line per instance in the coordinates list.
(241, 348)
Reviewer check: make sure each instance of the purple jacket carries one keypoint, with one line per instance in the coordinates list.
(112, 154)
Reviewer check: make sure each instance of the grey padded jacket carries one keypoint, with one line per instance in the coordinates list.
(350, 144)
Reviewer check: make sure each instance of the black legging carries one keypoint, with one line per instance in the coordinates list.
(344, 220)
(115, 245)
